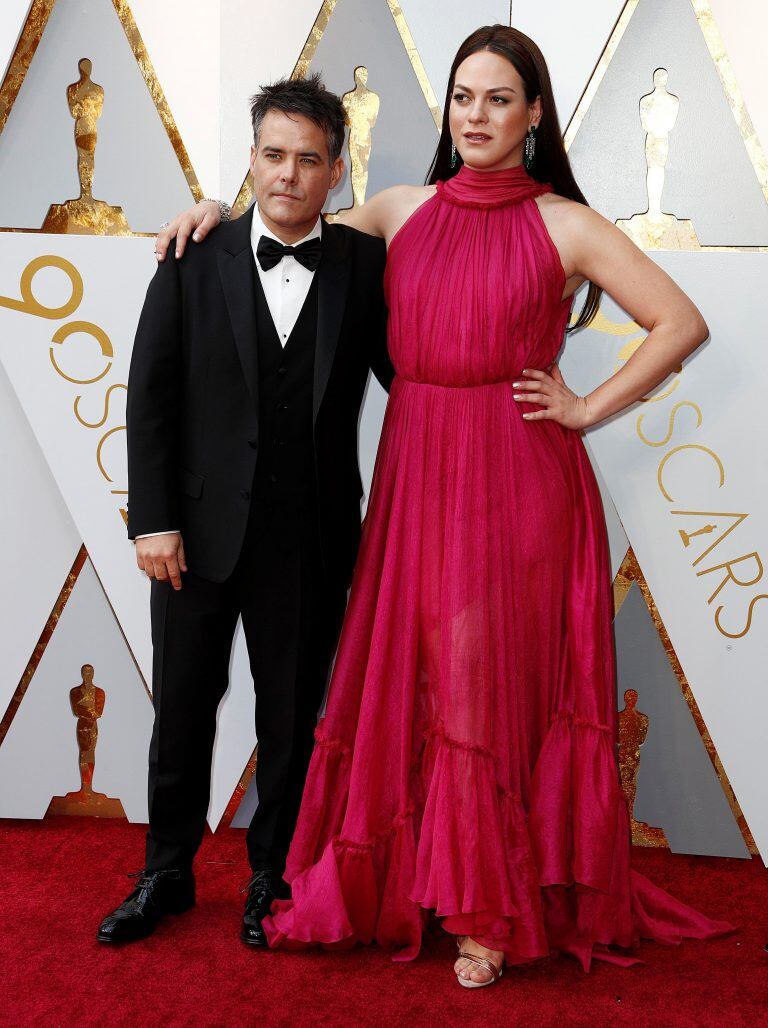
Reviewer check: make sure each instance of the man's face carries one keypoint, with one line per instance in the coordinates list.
(291, 171)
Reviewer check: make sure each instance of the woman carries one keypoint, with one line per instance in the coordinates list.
(466, 763)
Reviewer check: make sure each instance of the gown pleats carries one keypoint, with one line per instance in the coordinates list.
(466, 763)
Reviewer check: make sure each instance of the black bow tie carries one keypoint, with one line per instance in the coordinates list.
(269, 253)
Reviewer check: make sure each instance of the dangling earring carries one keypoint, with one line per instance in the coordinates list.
(453, 155)
(530, 148)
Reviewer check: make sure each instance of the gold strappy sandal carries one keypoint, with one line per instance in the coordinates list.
(495, 972)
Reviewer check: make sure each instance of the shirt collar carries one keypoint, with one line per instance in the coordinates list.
(258, 229)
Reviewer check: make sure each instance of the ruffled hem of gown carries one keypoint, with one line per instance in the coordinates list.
(557, 880)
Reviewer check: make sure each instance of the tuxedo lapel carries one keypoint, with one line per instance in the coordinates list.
(333, 283)
(237, 270)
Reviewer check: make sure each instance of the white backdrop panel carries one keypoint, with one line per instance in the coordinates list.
(210, 56)
(40, 541)
(743, 25)
(235, 731)
(39, 757)
(261, 40)
(184, 45)
(618, 544)
(115, 273)
(722, 386)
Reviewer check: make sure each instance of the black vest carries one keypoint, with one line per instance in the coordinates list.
(284, 482)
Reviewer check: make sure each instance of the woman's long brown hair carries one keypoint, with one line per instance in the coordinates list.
(551, 161)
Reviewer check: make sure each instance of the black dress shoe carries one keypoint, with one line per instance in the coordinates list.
(157, 893)
(262, 888)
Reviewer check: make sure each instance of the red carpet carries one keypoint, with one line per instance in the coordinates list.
(62, 875)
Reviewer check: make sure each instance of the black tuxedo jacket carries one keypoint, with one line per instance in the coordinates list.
(193, 394)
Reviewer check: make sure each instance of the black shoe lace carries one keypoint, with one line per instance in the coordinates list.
(259, 879)
(147, 881)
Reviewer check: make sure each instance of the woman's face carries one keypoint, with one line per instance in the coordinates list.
(489, 115)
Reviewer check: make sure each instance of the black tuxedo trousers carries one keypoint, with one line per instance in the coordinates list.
(291, 618)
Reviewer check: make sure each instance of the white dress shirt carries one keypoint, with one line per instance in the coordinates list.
(285, 287)
(287, 284)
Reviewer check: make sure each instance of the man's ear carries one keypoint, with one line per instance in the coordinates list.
(337, 171)
(253, 157)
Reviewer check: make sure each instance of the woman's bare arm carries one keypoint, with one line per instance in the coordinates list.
(381, 216)
(196, 222)
(591, 247)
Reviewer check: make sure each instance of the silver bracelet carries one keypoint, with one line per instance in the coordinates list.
(225, 209)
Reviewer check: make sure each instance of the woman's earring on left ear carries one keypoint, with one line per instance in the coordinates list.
(453, 155)
(530, 148)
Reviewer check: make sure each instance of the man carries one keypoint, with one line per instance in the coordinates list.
(248, 371)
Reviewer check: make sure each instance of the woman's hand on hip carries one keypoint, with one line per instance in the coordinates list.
(548, 390)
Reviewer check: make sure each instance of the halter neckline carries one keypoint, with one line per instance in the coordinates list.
(472, 188)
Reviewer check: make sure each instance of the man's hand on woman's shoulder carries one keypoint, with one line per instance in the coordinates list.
(196, 222)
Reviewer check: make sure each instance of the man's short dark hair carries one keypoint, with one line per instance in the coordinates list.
(302, 96)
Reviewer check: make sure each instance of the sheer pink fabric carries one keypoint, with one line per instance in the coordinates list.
(466, 763)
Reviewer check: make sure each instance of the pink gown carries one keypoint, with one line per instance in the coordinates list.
(467, 764)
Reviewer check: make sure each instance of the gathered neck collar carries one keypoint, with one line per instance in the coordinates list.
(472, 188)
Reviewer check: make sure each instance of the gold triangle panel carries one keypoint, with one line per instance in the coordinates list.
(42, 643)
(628, 573)
(240, 789)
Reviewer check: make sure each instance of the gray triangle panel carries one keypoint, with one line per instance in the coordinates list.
(709, 177)
(404, 138)
(135, 164)
(677, 786)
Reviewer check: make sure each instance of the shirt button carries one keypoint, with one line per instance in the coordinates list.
(253, 443)
(245, 494)
(273, 478)
(281, 371)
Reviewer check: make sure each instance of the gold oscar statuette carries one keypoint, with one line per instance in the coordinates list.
(633, 728)
(87, 702)
(85, 215)
(361, 105)
(655, 230)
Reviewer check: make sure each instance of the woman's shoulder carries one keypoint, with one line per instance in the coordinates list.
(402, 194)
(395, 204)
(385, 211)
(400, 205)
(569, 220)
(575, 229)
(567, 211)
